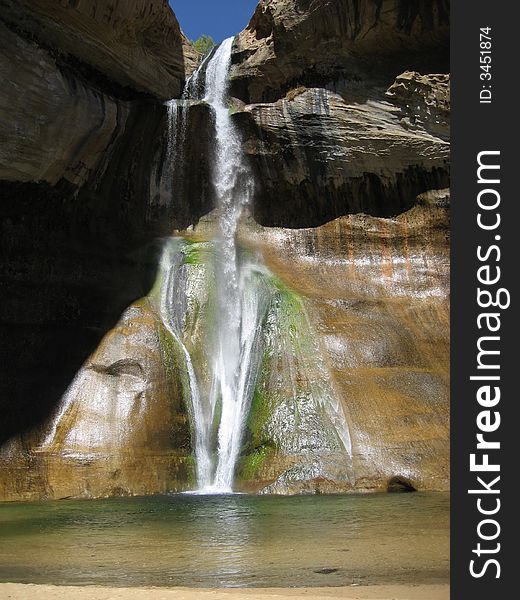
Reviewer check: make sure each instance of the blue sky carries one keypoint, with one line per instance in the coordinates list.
(218, 18)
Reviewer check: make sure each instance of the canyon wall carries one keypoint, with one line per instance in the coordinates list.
(344, 107)
(344, 112)
(341, 43)
(82, 199)
(376, 292)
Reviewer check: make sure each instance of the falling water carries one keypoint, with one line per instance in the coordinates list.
(173, 166)
(237, 314)
(239, 305)
(172, 309)
(243, 291)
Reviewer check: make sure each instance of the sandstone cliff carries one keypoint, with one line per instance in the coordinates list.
(82, 195)
(319, 155)
(136, 44)
(344, 108)
(374, 292)
(122, 428)
(73, 72)
(344, 111)
(341, 42)
(377, 294)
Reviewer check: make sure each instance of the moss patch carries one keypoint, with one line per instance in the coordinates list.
(250, 466)
(193, 253)
(259, 414)
(191, 470)
(167, 346)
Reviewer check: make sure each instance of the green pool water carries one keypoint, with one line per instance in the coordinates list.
(228, 541)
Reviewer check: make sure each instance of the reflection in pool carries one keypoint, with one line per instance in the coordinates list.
(228, 541)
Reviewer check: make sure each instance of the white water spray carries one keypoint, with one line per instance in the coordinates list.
(239, 303)
(241, 299)
(172, 308)
(237, 312)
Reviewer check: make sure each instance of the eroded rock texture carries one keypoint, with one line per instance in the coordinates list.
(318, 155)
(337, 42)
(344, 108)
(377, 294)
(121, 428)
(135, 44)
(82, 190)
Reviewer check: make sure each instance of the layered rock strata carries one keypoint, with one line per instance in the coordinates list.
(337, 43)
(133, 44)
(344, 111)
(377, 294)
(318, 155)
(82, 191)
(375, 299)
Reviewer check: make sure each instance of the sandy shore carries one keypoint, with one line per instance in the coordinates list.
(18, 591)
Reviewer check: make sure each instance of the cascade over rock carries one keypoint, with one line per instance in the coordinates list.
(260, 351)
(377, 294)
(343, 113)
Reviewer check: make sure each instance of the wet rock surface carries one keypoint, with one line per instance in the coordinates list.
(74, 258)
(373, 295)
(377, 294)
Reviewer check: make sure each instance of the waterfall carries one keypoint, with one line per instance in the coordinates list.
(172, 307)
(173, 166)
(244, 297)
(236, 318)
(231, 331)
(239, 304)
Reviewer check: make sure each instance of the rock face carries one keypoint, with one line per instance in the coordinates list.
(83, 194)
(424, 101)
(372, 294)
(337, 42)
(135, 44)
(345, 113)
(319, 155)
(121, 427)
(335, 120)
(344, 108)
(75, 127)
(377, 294)
(81, 69)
